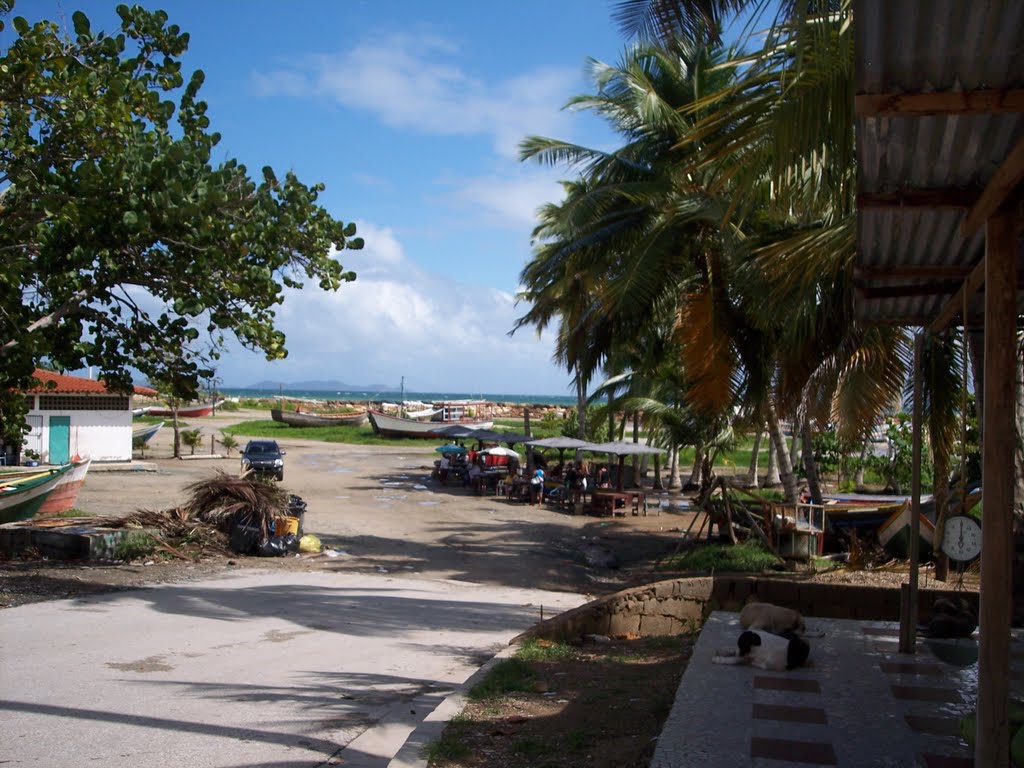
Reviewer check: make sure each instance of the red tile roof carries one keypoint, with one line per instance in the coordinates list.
(66, 385)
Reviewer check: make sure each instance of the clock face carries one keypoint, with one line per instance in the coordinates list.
(962, 540)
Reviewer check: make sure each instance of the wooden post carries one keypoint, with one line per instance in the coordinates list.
(993, 739)
(908, 601)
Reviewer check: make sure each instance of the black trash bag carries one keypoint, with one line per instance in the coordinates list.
(244, 539)
(291, 542)
(275, 546)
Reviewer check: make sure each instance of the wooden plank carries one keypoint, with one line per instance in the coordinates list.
(933, 288)
(999, 436)
(939, 103)
(1007, 178)
(943, 198)
(954, 306)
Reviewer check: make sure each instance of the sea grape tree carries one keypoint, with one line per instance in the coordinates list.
(123, 243)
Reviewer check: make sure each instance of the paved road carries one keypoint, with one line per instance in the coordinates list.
(261, 669)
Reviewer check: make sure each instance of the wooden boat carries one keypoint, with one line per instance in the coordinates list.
(393, 426)
(185, 412)
(299, 418)
(23, 497)
(143, 435)
(894, 533)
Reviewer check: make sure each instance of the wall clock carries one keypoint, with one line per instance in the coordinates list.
(962, 540)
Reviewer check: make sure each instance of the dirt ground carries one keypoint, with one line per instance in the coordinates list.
(376, 509)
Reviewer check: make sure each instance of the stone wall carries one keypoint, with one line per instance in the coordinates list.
(677, 605)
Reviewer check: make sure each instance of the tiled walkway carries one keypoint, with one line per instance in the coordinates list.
(858, 703)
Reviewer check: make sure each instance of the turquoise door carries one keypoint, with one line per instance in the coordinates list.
(60, 439)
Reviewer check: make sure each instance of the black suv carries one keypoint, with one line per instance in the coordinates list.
(263, 457)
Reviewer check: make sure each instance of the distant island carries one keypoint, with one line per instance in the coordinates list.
(322, 386)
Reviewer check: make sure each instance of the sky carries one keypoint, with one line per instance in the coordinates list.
(411, 113)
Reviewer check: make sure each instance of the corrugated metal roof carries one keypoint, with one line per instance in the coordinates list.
(923, 46)
(68, 385)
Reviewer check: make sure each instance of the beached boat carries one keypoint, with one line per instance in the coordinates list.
(299, 418)
(23, 497)
(394, 426)
(894, 533)
(185, 412)
(143, 435)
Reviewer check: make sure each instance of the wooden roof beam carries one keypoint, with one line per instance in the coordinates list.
(908, 272)
(951, 197)
(955, 305)
(939, 103)
(1004, 183)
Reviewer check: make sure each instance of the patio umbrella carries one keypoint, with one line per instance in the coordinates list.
(622, 449)
(485, 435)
(450, 449)
(500, 450)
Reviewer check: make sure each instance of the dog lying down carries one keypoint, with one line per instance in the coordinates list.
(775, 619)
(766, 651)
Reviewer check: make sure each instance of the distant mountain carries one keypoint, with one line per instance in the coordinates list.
(322, 386)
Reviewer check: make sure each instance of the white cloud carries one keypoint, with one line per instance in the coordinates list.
(397, 320)
(510, 200)
(418, 82)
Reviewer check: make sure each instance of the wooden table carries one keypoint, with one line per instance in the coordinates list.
(617, 502)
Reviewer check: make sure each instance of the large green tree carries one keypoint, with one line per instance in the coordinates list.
(123, 243)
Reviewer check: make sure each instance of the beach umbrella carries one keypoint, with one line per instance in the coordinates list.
(485, 436)
(499, 450)
(450, 449)
(622, 449)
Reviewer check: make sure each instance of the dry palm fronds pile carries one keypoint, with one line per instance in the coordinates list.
(226, 501)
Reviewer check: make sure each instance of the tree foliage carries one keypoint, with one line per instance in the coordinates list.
(123, 242)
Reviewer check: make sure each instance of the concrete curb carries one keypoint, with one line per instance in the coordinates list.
(433, 725)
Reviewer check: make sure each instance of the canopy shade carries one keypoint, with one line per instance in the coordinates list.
(485, 436)
(624, 448)
(514, 437)
(560, 442)
(453, 430)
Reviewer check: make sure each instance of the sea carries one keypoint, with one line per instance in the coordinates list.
(396, 396)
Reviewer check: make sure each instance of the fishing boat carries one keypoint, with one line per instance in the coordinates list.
(23, 496)
(186, 412)
(894, 533)
(143, 435)
(299, 418)
(395, 426)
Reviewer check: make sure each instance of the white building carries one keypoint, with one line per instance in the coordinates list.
(70, 416)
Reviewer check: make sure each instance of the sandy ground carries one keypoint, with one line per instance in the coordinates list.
(379, 507)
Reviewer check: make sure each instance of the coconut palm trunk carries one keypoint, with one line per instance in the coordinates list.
(772, 477)
(752, 479)
(810, 465)
(786, 475)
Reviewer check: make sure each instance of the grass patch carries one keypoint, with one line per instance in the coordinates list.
(507, 676)
(749, 556)
(135, 545)
(530, 747)
(539, 650)
(448, 747)
(73, 512)
(340, 434)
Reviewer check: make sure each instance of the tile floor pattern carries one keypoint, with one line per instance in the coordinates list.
(859, 703)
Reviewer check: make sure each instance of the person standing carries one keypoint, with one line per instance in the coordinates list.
(537, 486)
(443, 468)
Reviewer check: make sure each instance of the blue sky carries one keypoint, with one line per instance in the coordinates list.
(410, 113)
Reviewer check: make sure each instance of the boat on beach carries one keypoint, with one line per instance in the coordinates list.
(299, 418)
(142, 435)
(894, 533)
(187, 411)
(442, 415)
(24, 495)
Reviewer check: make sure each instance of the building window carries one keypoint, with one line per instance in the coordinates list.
(82, 403)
